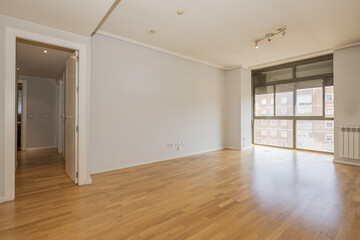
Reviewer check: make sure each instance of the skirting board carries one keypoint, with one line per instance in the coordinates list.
(348, 161)
(4, 199)
(40, 148)
(148, 162)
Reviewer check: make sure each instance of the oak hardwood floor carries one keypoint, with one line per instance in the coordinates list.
(257, 194)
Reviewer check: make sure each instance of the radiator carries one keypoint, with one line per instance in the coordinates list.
(349, 142)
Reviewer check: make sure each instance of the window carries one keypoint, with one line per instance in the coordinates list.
(309, 98)
(285, 99)
(329, 138)
(273, 133)
(312, 135)
(304, 100)
(329, 97)
(329, 104)
(314, 69)
(262, 104)
(329, 111)
(329, 124)
(270, 135)
(284, 112)
(295, 102)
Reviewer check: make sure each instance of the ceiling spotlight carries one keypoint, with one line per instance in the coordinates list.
(269, 36)
(152, 31)
(45, 51)
(180, 13)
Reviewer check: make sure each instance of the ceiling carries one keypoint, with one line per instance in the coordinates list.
(32, 61)
(221, 33)
(76, 16)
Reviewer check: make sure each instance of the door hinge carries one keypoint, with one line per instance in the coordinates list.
(77, 175)
(77, 128)
(77, 89)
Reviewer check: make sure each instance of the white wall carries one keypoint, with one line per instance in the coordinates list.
(143, 99)
(246, 98)
(238, 108)
(41, 112)
(346, 89)
(51, 32)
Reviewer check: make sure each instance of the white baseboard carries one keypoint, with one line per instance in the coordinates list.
(39, 148)
(88, 181)
(233, 148)
(5, 199)
(147, 162)
(348, 161)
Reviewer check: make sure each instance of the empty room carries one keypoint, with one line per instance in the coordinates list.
(155, 119)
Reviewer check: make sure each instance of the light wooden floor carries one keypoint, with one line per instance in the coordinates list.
(263, 193)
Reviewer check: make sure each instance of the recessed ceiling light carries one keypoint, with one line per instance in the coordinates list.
(180, 13)
(152, 31)
(45, 51)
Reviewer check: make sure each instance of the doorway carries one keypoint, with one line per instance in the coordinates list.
(46, 114)
(83, 48)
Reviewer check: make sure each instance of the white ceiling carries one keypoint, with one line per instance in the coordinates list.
(220, 33)
(76, 16)
(32, 60)
(223, 32)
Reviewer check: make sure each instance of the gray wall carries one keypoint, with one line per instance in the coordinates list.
(346, 89)
(238, 108)
(143, 99)
(41, 106)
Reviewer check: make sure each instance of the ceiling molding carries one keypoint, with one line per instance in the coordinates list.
(348, 45)
(156, 48)
(234, 67)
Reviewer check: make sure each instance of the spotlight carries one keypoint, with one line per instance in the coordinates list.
(269, 36)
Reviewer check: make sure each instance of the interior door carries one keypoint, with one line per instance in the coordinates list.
(70, 119)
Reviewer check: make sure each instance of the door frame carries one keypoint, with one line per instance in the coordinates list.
(24, 114)
(10, 94)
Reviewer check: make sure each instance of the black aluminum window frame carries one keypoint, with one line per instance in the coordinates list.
(326, 78)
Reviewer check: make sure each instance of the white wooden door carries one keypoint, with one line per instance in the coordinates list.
(70, 119)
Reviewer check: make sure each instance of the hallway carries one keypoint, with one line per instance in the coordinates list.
(40, 171)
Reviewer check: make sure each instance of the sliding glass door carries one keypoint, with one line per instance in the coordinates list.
(293, 105)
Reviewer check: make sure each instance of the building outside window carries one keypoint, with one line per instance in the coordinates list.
(301, 97)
